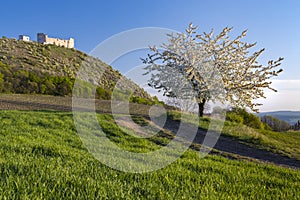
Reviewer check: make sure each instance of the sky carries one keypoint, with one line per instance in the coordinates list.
(273, 24)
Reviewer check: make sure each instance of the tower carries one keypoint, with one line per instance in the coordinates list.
(42, 38)
(71, 43)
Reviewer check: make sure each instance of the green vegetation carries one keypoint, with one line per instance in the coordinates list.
(275, 124)
(42, 157)
(296, 126)
(33, 68)
(291, 117)
(267, 133)
(22, 81)
(139, 100)
(241, 116)
(285, 143)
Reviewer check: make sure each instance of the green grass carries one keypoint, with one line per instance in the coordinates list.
(285, 143)
(42, 157)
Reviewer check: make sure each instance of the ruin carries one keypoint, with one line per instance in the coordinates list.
(44, 39)
(24, 38)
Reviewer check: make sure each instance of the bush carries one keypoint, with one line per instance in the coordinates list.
(139, 100)
(16, 80)
(102, 93)
(244, 117)
(234, 117)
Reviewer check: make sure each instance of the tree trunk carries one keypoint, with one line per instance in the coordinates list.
(201, 108)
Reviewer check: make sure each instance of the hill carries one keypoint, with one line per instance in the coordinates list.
(289, 116)
(30, 67)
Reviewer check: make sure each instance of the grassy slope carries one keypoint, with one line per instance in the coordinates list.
(285, 143)
(43, 157)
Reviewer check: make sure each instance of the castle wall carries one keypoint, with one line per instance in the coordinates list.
(44, 39)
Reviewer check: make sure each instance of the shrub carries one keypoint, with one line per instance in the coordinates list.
(135, 99)
(234, 117)
(102, 93)
(248, 119)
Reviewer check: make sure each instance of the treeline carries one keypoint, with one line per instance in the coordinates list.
(241, 116)
(21, 81)
(296, 126)
(26, 82)
(276, 124)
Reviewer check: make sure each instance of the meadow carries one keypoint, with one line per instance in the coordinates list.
(42, 157)
(284, 143)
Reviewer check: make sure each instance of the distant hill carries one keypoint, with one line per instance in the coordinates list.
(33, 68)
(289, 116)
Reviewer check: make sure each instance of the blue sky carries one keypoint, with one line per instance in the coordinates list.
(274, 25)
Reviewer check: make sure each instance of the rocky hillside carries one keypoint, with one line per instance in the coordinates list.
(30, 67)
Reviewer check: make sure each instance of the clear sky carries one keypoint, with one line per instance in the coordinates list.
(273, 24)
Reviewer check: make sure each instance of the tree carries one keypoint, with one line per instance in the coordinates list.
(296, 126)
(217, 68)
(276, 124)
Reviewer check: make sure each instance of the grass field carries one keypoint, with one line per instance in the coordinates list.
(42, 157)
(285, 143)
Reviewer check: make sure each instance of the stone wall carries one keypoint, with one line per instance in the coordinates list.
(44, 39)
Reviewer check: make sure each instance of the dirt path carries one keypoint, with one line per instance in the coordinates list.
(233, 146)
(224, 144)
